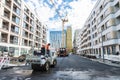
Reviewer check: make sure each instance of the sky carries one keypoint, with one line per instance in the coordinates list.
(77, 12)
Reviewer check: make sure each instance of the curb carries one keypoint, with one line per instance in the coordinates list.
(13, 65)
(107, 62)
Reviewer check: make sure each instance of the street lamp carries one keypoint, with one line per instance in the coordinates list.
(102, 46)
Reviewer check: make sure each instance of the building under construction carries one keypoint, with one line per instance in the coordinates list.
(69, 38)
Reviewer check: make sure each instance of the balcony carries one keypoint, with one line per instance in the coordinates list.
(8, 3)
(117, 7)
(15, 19)
(25, 34)
(36, 45)
(13, 39)
(30, 43)
(31, 22)
(16, 9)
(31, 36)
(5, 25)
(4, 37)
(26, 10)
(6, 13)
(32, 16)
(117, 20)
(15, 29)
(25, 42)
(18, 2)
(31, 29)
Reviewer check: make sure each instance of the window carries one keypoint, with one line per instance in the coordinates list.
(6, 13)
(25, 33)
(26, 10)
(118, 20)
(15, 19)
(99, 30)
(15, 29)
(107, 24)
(104, 50)
(101, 18)
(108, 36)
(13, 39)
(3, 49)
(5, 25)
(117, 7)
(18, 2)
(103, 27)
(106, 13)
(118, 34)
(108, 50)
(24, 42)
(8, 3)
(103, 37)
(16, 9)
(113, 49)
(23, 51)
(26, 26)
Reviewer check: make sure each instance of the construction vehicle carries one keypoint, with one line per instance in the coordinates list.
(38, 61)
(62, 52)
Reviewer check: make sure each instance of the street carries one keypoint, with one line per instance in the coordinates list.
(72, 67)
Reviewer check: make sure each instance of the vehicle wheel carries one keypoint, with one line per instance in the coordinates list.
(46, 66)
(54, 63)
(33, 66)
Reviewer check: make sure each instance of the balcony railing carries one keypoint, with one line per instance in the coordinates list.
(8, 4)
(25, 44)
(5, 27)
(14, 41)
(7, 15)
(4, 40)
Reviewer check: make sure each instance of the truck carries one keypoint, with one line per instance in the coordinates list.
(62, 52)
(38, 61)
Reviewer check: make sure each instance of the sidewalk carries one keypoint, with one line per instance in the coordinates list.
(11, 65)
(108, 62)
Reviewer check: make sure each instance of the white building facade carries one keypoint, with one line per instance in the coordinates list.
(101, 33)
(77, 41)
(20, 28)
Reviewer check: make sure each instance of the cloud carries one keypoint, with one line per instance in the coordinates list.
(77, 10)
(80, 12)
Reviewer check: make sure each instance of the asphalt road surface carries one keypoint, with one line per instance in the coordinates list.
(72, 67)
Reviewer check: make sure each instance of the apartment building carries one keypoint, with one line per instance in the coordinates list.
(101, 32)
(77, 41)
(20, 29)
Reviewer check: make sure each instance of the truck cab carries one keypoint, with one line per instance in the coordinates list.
(62, 52)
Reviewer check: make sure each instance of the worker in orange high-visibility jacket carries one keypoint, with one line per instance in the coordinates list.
(47, 47)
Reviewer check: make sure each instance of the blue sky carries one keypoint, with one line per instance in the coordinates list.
(77, 12)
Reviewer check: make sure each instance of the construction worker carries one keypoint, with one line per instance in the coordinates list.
(47, 47)
(43, 50)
